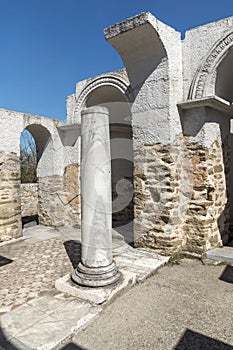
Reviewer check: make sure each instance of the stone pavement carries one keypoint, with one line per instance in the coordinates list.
(30, 266)
(34, 315)
(187, 305)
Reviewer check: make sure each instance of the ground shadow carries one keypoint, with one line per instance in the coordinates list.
(6, 344)
(73, 250)
(227, 275)
(5, 261)
(29, 221)
(73, 346)
(196, 341)
(126, 231)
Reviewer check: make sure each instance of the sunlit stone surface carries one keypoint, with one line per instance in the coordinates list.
(96, 267)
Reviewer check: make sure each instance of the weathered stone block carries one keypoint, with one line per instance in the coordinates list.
(10, 209)
(29, 199)
(59, 198)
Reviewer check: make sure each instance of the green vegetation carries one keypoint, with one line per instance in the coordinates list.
(28, 158)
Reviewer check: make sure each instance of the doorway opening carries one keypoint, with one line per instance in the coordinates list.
(33, 141)
(121, 156)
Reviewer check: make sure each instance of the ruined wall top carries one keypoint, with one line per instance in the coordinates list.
(161, 70)
(133, 23)
(76, 102)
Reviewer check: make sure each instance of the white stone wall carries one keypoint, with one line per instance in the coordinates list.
(56, 159)
(196, 46)
(154, 68)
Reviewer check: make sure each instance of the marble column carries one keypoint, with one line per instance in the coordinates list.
(97, 267)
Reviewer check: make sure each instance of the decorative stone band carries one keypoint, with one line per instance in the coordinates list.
(205, 74)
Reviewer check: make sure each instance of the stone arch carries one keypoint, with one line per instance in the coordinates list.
(152, 54)
(41, 136)
(13, 123)
(139, 42)
(210, 77)
(109, 80)
(114, 99)
(214, 81)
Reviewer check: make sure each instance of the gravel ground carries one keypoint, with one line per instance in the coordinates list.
(186, 305)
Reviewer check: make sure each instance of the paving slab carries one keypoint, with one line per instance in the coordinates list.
(135, 265)
(224, 254)
(98, 295)
(46, 322)
(40, 232)
(140, 262)
(69, 233)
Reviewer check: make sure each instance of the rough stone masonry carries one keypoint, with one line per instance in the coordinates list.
(171, 140)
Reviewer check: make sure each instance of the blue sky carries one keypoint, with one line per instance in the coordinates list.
(49, 45)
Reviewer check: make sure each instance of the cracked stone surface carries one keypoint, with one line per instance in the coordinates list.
(36, 316)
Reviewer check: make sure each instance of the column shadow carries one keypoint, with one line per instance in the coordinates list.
(227, 275)
(73, 250)
(5, 261)
(196, 341)
(73, 346)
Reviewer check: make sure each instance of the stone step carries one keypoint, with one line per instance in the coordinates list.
(224, 254)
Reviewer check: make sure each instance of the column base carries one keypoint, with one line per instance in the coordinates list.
(96, 276)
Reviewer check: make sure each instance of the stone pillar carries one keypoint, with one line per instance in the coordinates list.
(96, 268)
(10, 209)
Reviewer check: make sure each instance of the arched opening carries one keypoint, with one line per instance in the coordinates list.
(224, 77)
(28, 158)
(230, 181)
(224, 89)
(33, 141)
(121, 155)
(215, 78)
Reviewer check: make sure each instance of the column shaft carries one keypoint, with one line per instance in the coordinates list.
(96, 268)
(96, 194)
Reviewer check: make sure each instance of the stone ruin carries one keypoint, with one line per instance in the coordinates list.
(171, 142)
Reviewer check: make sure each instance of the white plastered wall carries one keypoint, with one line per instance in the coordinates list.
(196, 45)
(12, 125)
(152, 54)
